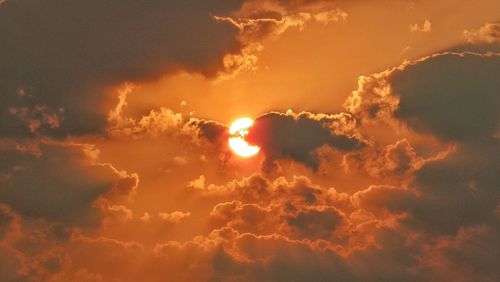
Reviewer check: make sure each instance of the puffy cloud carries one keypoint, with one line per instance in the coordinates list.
(380, 198)
(315, 223)
(286, 136)
(55, 80)
(212, 131)
(425, 27)
(398, 160)
(292, 229)
(450, 201)
(458, 191)
(449, 95)
(452, 96)
(469, 256)
(438, 221)
(72, 51)
(157, 122)
(488, 33)
(174, 217)
(9, 223)
(62, 184)
(394, 242)
(296, 137)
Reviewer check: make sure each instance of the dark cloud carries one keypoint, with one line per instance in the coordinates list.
(61, 55)
(10, 267)
(297, 136)
(9, 222)
(452, 96)
(315, 223)
(471, 256)
(398, 160)
(287, 136)
(212, 131)
(62, 184)
(458, 191)
(393, 199)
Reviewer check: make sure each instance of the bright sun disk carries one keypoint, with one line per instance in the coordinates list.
(238, 130)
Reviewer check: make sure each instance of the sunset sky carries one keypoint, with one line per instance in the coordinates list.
(369, 148)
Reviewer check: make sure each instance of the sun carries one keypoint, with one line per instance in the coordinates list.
(238, 131)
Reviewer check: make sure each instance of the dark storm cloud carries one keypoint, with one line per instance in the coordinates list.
(62, 184)
(297, 136)
(459, 191)
(315, 223)
(8, 221)
(59, 55)
(211, 130)
(287, 136)
(454, 97)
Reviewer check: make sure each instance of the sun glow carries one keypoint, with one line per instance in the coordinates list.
(238, 131)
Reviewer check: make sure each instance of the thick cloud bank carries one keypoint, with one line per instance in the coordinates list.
(58, 56)
(418, 146)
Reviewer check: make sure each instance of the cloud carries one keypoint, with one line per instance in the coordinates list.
(209, 130)
(290, 136)
(426, 27)
(62, 184)
(488, 33)
(449, 95)
(56, 80)
(9, 223)
(438, 221)
(381, 233)
(457, 191)
(72, 51)
(174, 217)
(398, 160)
(285, 136)
(467, 252)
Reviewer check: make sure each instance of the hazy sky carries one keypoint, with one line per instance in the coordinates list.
(378, 125)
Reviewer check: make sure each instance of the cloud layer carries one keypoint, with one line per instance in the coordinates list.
(62, 56)
(401, 186)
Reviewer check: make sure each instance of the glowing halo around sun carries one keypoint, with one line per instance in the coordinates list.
(238, 131)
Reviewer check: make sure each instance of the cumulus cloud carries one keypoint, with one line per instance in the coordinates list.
(75, 50)
(286, 136)
(174, 217)
(457, 191)
(427, 229)
(452, 96)
(438, 221)
(394, 160)
(266, 229)
(62, 184)
(425, 27)
(258, 20)
(296, 137)
(488, 33)
(449, 95)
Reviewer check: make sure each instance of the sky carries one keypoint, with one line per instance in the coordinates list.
(377, 125)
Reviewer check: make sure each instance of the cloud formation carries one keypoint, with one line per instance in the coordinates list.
(290, 136)
(61, 182)
(75, 50)
(488, 33)
(418, 145)
(449, 95)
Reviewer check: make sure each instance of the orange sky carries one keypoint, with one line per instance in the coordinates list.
(377, 123)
